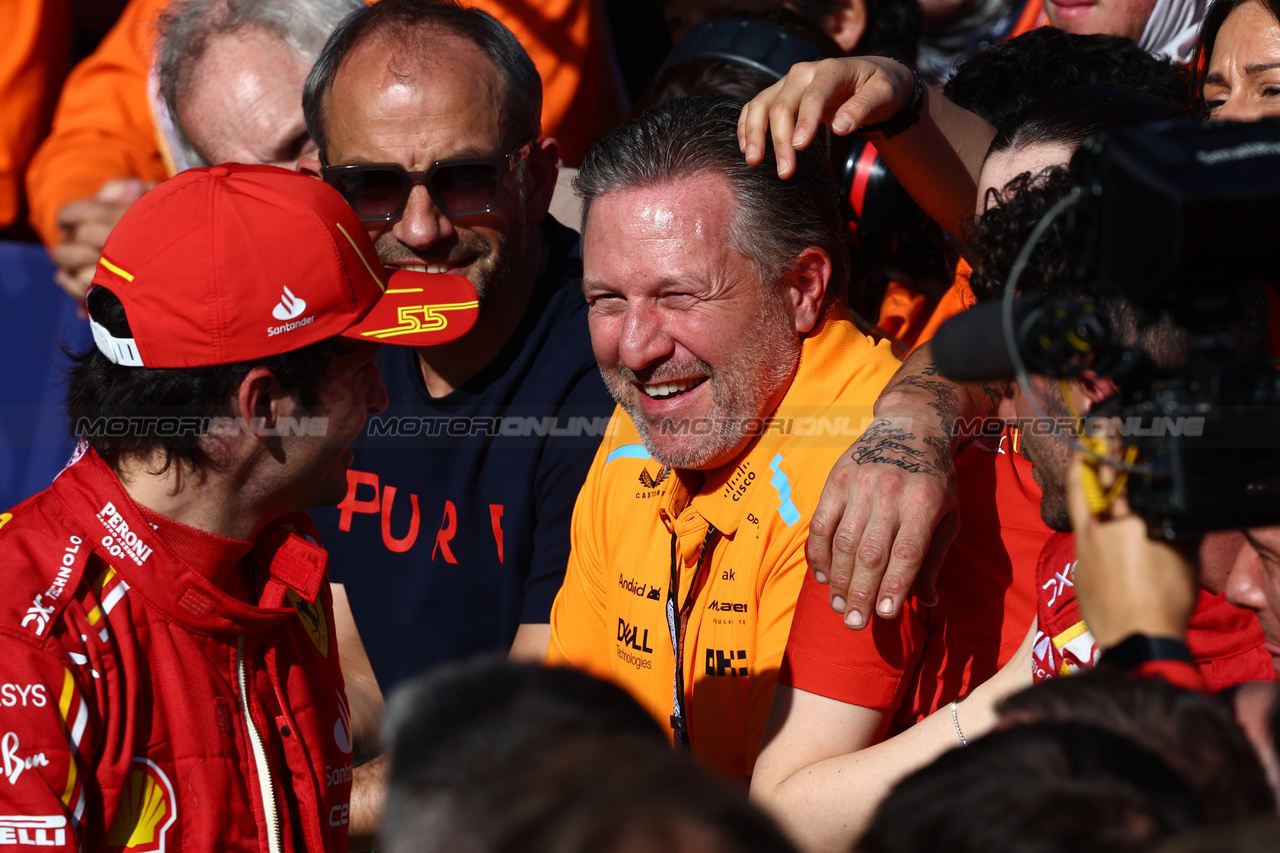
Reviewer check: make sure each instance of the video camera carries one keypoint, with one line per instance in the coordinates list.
(1176, 222)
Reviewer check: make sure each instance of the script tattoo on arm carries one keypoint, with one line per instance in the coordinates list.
(991, 391)
(944, 400)
(882, 443)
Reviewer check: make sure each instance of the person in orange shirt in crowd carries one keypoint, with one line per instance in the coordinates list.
(213, 60)
(32, 67)
(715, 303)
(106, 146)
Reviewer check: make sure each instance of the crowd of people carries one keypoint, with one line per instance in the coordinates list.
(582, 401)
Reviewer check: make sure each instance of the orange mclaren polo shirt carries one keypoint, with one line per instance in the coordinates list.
(734, 539)
(32, 67)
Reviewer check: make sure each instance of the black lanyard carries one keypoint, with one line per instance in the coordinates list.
(677, 625)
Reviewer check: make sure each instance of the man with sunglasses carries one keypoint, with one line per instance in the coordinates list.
(453, 535)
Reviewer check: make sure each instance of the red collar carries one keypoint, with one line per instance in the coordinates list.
(191, 576)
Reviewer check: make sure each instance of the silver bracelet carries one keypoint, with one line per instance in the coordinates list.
(963, 740)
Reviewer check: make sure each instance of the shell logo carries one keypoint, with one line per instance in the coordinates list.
(148, 808)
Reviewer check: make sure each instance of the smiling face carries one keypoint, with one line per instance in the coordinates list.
(1242, 82)
(245, 104)
(400, 105)
(1127, 18)
(690, 342)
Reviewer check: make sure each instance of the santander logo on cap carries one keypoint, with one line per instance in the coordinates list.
(290, 306)
(197, 267)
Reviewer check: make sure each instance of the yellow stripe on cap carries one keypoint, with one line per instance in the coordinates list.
(360, 254)
(115, 269)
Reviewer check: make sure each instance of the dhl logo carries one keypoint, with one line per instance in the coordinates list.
(147, 809)
(422, 318)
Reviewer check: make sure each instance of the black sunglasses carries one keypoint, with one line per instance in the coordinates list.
(466, 186)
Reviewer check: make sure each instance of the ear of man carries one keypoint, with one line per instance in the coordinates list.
(260, 403)
(804, 288)
(542, 168)
(309, 166)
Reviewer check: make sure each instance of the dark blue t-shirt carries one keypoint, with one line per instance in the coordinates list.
(455, 527)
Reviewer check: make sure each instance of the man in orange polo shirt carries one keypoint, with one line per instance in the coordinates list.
(715, 301)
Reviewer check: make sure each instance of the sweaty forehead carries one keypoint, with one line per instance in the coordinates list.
(670, 230)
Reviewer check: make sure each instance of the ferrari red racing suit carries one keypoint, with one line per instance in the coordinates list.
(162, 688)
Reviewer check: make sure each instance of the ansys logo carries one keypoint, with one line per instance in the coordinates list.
(290, 306)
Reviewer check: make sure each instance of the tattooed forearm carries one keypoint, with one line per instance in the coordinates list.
(943, 399)
(865, 456)
(942, 457)
(889, 445)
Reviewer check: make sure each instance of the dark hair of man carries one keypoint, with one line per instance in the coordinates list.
(413, 26)
(489, 756)
(184, 30)
(123, 411)
(1071, 116)
(1043, 788)
(1048, 59)
(997, 237)
(1214, 18)
(775, 220)
(490, 709)
(1194, 733)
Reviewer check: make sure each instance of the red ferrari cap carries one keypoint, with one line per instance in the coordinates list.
(236, 263)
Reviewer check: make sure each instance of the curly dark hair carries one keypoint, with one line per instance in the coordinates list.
(1047, 59)
(997, 237)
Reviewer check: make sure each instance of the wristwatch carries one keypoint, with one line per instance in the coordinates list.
(1136, 649)
(908, 115)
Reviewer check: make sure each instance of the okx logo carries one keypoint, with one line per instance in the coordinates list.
(722, 663)
(290, 306)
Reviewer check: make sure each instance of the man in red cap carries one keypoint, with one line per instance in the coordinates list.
(168, 669)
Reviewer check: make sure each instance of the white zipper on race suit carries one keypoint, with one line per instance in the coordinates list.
(265, 784)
